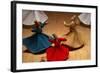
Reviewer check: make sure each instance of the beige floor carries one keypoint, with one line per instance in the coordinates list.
(56, 25)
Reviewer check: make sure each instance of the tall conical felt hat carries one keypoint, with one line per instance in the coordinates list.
(29, 16)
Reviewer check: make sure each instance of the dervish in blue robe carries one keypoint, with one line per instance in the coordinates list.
(38, 41)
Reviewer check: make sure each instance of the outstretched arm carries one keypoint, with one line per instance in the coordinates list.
(62, 39)
(70, 24)
(43, 24)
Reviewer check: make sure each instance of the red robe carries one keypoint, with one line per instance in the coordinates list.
(58, 52)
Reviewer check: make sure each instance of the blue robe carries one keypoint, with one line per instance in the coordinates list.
(38, 41)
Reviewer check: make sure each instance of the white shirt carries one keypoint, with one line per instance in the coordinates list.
(29, 16)
(85, 18)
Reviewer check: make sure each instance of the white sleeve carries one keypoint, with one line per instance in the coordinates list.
(28, 17)
(85, 18)
(40, 16)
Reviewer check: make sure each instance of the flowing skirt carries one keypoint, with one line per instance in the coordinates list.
(37, 42)
(57, 53)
